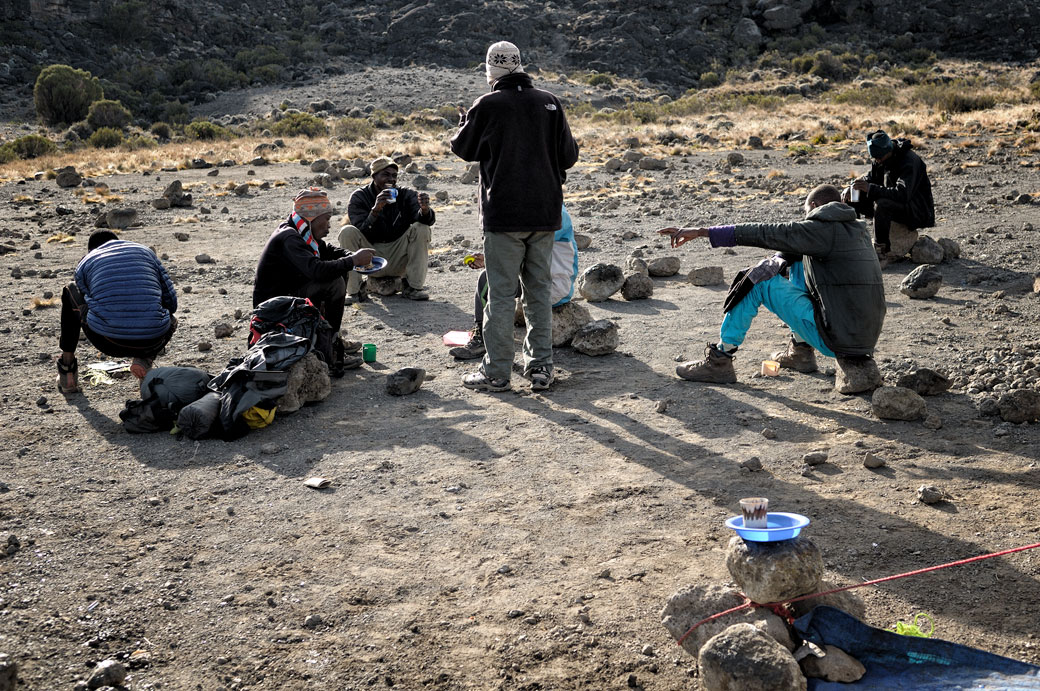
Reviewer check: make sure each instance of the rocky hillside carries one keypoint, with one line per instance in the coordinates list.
(152, 53)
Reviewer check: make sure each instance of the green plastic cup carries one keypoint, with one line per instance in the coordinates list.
(368, 352)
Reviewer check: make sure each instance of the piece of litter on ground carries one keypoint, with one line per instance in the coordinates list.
(317, 482)
(109, 366)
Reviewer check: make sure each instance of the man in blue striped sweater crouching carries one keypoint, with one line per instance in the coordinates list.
(123, 300)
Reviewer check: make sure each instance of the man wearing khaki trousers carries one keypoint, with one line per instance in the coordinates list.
(520, 136)
(395, 222)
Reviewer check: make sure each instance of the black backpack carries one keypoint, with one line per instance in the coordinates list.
(164, 391)
(296, 316)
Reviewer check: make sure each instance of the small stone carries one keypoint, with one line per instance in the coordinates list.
(637, 287)
(662, 406)
(769, 433)
(505, 569)
(600, 281)
(270, 448)
(897, 403)
(871, 461)
(404, 381)
(835, 666)
(925, 382)
(707, 276)
(223, 331)
(753, 464)
(926, 251)
(154, 501)
(313, 621)
(662, 267)
(930, 494)
(515, 613)
(1020, 405)
(922, 283)
(599, 337)
(815, 458)
(107, 673)
(204, 259)
(204, 346)
(647, 650)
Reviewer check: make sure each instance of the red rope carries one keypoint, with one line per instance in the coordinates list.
(775, 605)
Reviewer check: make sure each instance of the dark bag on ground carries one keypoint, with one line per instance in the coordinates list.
(296, 316)
(164, 392)
(259, 378)
(197, 420)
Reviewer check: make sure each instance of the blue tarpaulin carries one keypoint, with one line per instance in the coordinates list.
(894, 661)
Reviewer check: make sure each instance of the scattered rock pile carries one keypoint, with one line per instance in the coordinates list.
(754, 649)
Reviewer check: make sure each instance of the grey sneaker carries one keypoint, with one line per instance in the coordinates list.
(541, 377)
(478, 382)
(801, 357)
(715, 368)
(473, 349)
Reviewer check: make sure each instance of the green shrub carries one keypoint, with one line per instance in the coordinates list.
(708, 80)
(106, 138)
(125, 21)
(826, 65)
(175, 112)
(161, 131)
(107, 113)
(141, 141)
(63, 95)
(300, 125)
(954, 97)
(31, 146)
(7, 154)
(1034, 91)
(204, 129)
(644, 112)
(353, 129)
(878, 96)
(266, 74)
(603, 80)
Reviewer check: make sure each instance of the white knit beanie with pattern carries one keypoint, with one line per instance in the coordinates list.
(503, 58)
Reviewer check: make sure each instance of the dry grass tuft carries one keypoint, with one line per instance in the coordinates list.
(43, 303)
(63, 238)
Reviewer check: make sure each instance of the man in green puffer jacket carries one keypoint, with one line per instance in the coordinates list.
(833, 299)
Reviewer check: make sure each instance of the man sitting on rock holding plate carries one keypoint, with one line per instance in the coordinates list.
(396, 222)
(833, 298)
(296, 261)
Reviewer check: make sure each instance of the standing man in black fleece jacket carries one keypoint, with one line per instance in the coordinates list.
(396, 222)
(297, 261)
(520, 136)
(897, 189)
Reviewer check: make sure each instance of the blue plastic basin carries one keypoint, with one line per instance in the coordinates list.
(779, 526)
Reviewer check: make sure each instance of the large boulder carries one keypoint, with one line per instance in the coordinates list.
(847, 601)
(637, 287)
(308, 382)
(696, 603)
(175, 195)
(747, 34)
(781, 18)
(922, 283)
(775, 571)
(926, 382)
(598, 282)
(901, 239)
(107, 673)
(743, 658)
(926, 251)
(566, 320)
(598, 337)
(662, 267)
(1020, 405)
(897, 403)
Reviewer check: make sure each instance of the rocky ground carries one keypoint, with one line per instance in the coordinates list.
(513, 541)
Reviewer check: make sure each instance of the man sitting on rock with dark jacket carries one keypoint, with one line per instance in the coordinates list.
(833, 300)
(123, 300)
(296, 261)
(897, 189)
(396, 222)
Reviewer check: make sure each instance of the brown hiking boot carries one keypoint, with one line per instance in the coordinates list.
(715, 368)
(473, 349)
(856, 375)
(801, 357)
